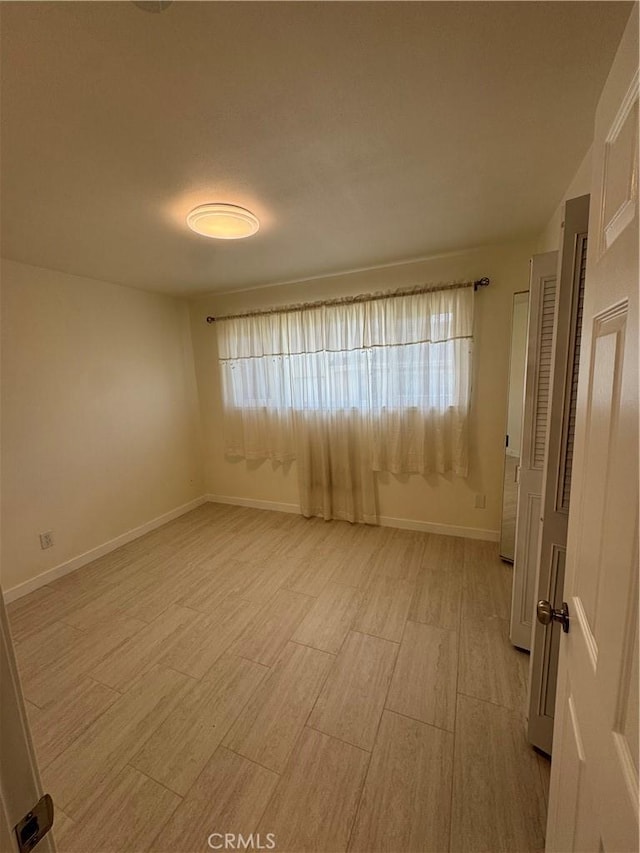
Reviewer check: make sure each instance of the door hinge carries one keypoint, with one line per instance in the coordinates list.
(35, 824)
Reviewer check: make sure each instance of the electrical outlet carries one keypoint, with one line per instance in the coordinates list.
(481, 501)
(46, 539)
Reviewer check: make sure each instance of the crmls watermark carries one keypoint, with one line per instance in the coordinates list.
(238, 841)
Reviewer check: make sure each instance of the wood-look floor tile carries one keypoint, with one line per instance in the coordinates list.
(267, 634)
(217, 582)
(110, 574)
(544, 766)
(305, 540)
(330, 619)
(356, 572)
(443, 552)
(487, 581)
(337, 536)
(141, 652)
(229, 796)
(424, 680)
(63, 828)
(490, 667)
(314, 805)
(261, 546)
(33, 612)
(268, 727)
(356, 565)
(157, 599)
(113, 739)
(268, 576)
(401, 555)
(44, 647)
(384, 608)
(227, 563)
(97, 575)
(59, 678)
(479, 552)
(313, 573)
(406, 801)
(208, 637)
(112, 603)
(56, 727)
(498, 800)
(352, 700)
(178, 750)
(124, 813)
(437, 597)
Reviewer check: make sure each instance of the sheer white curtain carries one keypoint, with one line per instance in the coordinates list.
(351, 388)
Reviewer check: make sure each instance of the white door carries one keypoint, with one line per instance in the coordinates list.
(556, 484)
(542, 292)
(593, 803)
(513, 443)
(20, 786)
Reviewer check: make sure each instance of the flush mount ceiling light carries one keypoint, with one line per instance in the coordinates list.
(222, 221)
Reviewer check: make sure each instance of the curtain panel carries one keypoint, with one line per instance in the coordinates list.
(350, 389)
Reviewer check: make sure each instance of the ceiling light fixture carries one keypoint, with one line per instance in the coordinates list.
(222, 221)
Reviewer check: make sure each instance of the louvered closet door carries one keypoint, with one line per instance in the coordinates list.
(556, 486)
(542, 298)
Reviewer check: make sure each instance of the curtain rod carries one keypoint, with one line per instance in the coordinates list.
(363, 297)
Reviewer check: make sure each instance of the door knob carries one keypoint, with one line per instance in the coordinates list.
(547, 614)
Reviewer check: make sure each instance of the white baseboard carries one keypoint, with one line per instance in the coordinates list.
(385, 520)
(254, 504)
(441, 529)
(77, 562)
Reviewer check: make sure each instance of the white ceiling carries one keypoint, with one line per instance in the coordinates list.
(359, 133)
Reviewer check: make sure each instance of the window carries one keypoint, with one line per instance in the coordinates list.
(400, 366)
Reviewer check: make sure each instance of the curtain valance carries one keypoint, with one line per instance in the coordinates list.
(430, 317)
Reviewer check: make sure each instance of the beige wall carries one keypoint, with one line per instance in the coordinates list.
(550, 238)
(100, 429)
(436, 500)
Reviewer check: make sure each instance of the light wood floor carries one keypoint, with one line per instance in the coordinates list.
(241, 671)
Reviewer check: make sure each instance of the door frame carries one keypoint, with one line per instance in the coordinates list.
(20, 782)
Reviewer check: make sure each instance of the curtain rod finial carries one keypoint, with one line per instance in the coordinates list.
(211, 319)
(481, 282)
